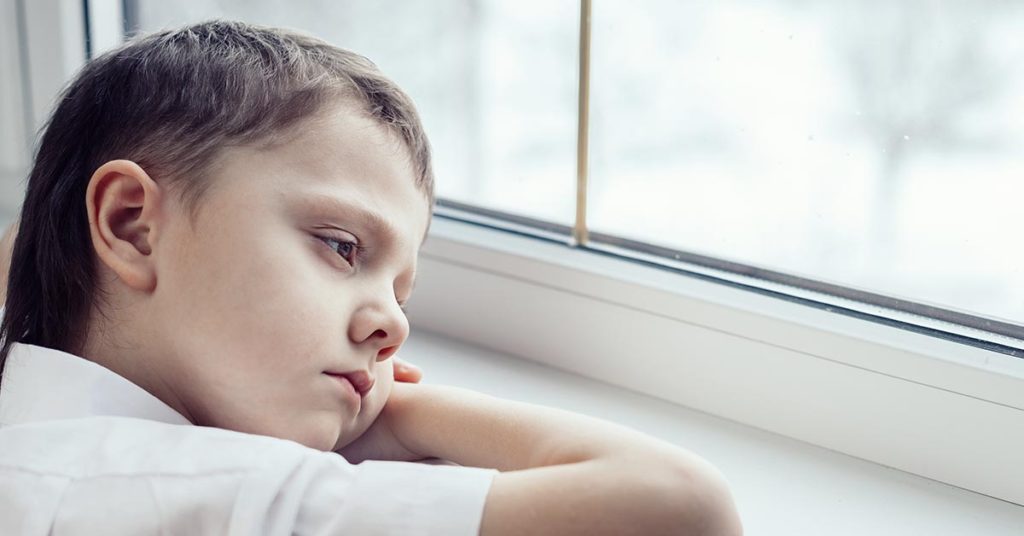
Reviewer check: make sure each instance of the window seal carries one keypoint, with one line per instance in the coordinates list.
(985, 333)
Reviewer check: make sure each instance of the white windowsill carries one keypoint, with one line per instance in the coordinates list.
(782, 486)
(931, 407)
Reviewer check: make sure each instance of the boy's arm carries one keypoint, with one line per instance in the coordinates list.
(564, 473)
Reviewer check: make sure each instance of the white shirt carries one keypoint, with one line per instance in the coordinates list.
(85, 451)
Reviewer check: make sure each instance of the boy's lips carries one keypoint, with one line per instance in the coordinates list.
(360, 380)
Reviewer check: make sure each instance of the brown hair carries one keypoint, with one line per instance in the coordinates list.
(170, 101)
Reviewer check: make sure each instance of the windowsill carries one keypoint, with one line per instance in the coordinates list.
(782, 486)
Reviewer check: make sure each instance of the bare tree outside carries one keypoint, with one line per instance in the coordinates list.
(869, 144)
(918, 70)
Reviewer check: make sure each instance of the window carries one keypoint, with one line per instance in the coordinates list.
(15, 128)
(42, 45)
(865, 151)
(495, 83)
(874, 145)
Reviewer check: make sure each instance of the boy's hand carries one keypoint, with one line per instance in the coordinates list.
(407, 372)
(379, 442)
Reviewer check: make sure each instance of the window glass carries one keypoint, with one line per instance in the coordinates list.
(874, 144)
(495, 83)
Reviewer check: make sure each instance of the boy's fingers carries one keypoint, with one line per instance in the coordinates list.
(407, 372)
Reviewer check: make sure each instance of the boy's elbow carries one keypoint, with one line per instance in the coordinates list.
(686, 497)
(706, 506)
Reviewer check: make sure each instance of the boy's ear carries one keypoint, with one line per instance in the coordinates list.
(123, 203)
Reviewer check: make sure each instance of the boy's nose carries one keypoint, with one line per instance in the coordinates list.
(386, 352)
(381, 328)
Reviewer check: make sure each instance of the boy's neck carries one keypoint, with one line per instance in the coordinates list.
(116, 342)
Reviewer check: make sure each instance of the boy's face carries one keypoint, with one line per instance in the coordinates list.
(263, 295)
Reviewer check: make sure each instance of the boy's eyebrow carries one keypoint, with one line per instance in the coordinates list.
(367, 218)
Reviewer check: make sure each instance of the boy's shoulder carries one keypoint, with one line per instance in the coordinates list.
(122, 475)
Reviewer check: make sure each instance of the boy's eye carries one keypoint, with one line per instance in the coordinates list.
(344, 248)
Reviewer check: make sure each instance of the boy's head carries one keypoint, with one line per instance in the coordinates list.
(223, 214)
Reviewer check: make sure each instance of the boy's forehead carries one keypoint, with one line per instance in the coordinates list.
(344, 167)
(346, 131)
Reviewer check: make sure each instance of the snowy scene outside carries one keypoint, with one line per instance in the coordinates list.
(878, 145)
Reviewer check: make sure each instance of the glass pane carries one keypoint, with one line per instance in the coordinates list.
(494, 81)
(878, 145)
(14, 143)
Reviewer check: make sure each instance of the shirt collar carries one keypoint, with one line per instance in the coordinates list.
(41, 384)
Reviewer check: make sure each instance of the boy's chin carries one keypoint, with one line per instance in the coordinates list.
(351, 433)
(372, 406)
(343, 441)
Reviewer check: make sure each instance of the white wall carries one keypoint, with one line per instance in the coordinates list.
(14, 147)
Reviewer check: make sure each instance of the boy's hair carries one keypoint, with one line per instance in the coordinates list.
(171, 101)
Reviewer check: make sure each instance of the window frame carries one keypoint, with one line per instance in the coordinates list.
(49, 58)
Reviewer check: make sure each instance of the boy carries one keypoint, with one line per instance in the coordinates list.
(220, 229)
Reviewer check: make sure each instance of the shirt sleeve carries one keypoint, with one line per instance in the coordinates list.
(378, 497)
